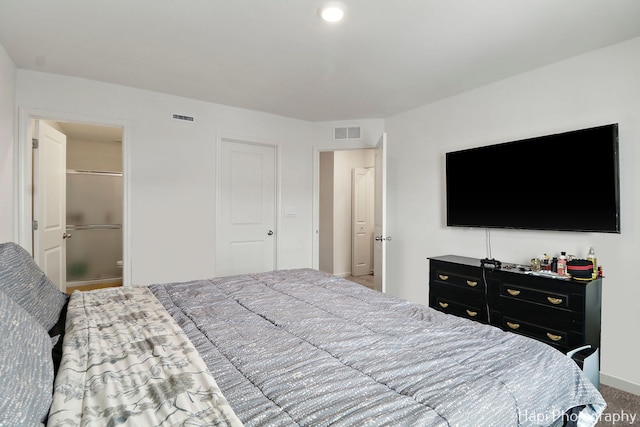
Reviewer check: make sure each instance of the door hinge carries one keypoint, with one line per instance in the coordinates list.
(35, 143)
(35, 225)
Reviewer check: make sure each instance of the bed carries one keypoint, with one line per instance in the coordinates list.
(294, 347)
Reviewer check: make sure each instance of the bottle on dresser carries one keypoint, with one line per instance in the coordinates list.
(562, 264)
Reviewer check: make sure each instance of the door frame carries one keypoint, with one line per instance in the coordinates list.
(23, 176)
(344, 146)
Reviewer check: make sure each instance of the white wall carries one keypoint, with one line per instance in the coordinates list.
(7, 94)
(172, 168)
(597, 88)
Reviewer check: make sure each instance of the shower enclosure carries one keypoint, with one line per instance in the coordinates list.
(94, 221)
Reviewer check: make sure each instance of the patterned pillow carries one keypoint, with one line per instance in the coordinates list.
(22, 280)
(26, 366)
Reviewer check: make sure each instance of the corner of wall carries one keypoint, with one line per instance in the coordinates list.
(8, 73)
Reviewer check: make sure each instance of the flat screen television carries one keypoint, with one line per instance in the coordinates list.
(567, 182)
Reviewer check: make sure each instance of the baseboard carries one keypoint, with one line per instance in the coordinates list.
(619, 383)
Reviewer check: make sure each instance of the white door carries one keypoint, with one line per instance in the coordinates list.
(49, 202)
(362, 205)
(379, 228)
(246, 232)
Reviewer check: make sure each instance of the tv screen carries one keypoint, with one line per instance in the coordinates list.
(567, 182)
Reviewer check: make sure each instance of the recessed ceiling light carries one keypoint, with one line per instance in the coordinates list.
(332, 11)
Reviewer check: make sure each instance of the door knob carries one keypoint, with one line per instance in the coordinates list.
(270, 233)
(380, 238)
(66, 236)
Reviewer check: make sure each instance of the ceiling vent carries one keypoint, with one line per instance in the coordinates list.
(345, 133)
(183, 118)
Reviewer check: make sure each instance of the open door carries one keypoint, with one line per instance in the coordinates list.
(49, 202)
(379, 227)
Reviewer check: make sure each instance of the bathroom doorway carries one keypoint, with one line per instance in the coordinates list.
(93, 205)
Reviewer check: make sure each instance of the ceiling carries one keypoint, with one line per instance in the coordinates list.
(95, 133)
(277, 56)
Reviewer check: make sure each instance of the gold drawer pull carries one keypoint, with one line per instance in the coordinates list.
(443, 304)
(472, 283)
(513, 292)
(443, 277)
(554, 300)
(513, 325)
(472, 313)
(554, 337)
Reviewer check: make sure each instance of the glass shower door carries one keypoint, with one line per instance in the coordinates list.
(94, 220)
(94, 254)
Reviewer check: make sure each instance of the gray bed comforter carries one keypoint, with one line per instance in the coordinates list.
(300, 347)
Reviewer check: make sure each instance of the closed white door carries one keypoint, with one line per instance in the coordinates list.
(49, 202)
(362, 205)
(246, 222)
(380, 227)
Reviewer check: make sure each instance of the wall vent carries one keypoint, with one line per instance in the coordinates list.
(347, 132)
(183, 118)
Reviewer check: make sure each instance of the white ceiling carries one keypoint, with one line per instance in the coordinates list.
(277, 56)
(95, 133)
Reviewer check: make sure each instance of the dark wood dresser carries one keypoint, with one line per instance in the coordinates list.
(562, 313)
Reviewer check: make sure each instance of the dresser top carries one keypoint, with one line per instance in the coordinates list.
(506, 267)
(456, 259)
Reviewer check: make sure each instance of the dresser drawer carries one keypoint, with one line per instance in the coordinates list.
(562, 338)
(544, 315)
(560, 328)
(549, 335)
(464, 304)
(447, 305)
(526, 294)
(467, 278)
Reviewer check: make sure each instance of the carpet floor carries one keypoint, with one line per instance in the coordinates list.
(623, 409)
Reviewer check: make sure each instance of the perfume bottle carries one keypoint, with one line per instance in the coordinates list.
(562, 264)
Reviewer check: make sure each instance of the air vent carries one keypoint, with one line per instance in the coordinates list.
(344, 133)
(183, 118)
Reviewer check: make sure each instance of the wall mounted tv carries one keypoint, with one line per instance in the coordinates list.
(567, 182)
